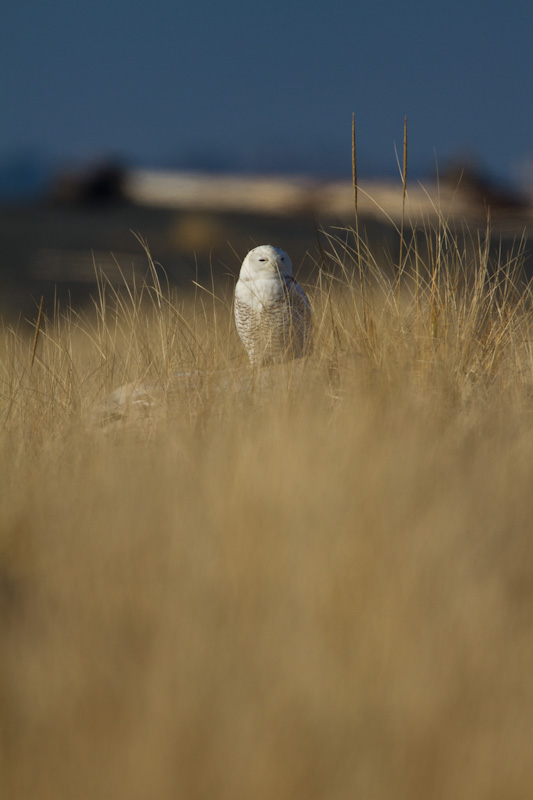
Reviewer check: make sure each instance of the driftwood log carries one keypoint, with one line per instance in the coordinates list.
(198, 392)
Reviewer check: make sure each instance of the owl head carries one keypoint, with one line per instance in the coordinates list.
(264, 260)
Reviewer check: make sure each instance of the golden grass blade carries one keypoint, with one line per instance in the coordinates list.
(354, 166)
(37, 329)
(404, 193)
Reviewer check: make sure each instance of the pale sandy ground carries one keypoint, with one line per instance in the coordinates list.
(381, 199)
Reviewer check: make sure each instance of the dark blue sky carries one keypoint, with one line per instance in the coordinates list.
(269, 86)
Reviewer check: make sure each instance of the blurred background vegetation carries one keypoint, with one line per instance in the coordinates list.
(199, 226)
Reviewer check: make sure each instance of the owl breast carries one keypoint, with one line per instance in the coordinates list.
(273, 320)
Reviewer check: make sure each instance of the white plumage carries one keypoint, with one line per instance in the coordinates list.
(272, 312)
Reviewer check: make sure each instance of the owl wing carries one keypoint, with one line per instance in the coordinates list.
(300, 313)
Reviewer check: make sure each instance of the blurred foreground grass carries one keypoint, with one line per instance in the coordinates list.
(318, 589)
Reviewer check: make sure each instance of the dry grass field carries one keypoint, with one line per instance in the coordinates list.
(313, 585)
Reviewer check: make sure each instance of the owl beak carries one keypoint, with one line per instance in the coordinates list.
(272, 262)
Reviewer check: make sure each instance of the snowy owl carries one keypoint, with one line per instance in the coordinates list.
(272, 312)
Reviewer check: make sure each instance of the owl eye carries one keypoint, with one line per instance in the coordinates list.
(262, 259)
(283, 259)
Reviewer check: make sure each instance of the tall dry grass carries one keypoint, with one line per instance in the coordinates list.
(318, 589)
